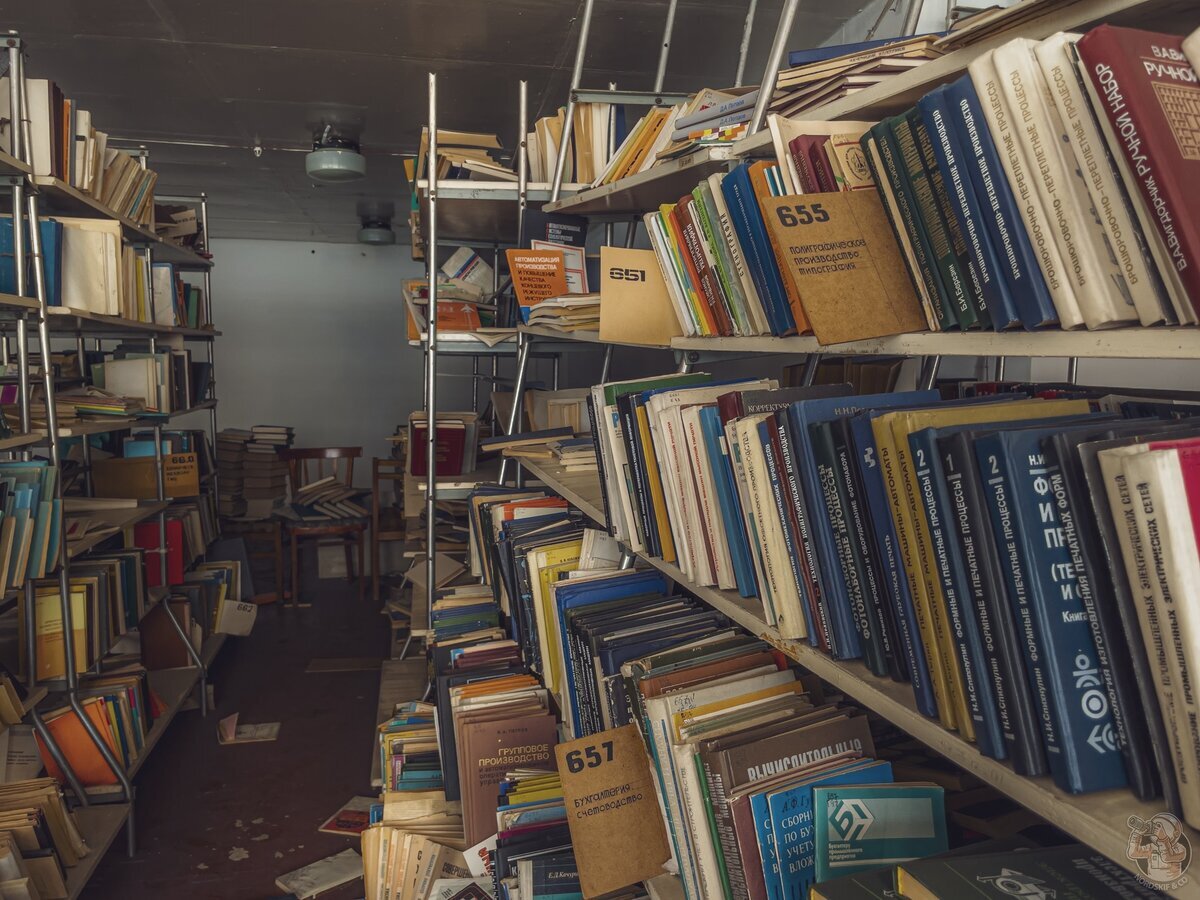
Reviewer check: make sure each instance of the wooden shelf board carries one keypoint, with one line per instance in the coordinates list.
(1098, 820)
(645, 191)
(66, 319)
(21, 440)
(173, 687)
(61, 198)
(484, 212)
(211, 647)
(99, 825)
(10, 165)
(16, 303)
(93, 426)
(151, 418)
(579, 337)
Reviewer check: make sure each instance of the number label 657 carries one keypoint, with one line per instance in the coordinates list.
(589, 757)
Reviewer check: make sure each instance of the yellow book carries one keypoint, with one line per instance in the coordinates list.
(699, 315)
(545, 566)
(686, 717)
(916, 542)
(657, 500)
(48, 621)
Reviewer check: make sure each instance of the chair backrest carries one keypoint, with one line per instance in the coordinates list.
(309, 464)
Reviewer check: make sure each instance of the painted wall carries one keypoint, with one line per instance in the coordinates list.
(313, 337)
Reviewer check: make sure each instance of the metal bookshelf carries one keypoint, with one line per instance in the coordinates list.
(103, 812)
(1098, 820)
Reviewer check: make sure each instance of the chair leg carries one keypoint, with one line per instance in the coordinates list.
(362, 572)
(349, 559)
(295, 559)
(280, 587)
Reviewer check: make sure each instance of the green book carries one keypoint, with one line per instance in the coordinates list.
(730, 285)
(972, 289)
(1062, 872)
(863, 827)
(906, 202)
(930, 220)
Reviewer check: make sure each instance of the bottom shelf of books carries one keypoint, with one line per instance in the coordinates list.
(1102, 820)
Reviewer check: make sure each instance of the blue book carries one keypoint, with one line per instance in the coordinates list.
(727, 498)
(861, 827)
(1019, 263)
(936, 110)
(1060, 652)
(895, 578)
(752, 235)
(584, 593)
(843, 636)
(793, 825)
(951, 572)
(52, 244)
(833, 51)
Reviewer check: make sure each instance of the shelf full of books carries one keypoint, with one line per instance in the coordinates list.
(928, 605)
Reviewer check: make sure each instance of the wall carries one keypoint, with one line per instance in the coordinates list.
(313, 337)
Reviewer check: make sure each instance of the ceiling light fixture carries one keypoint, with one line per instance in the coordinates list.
(334, 158)
(376, 219)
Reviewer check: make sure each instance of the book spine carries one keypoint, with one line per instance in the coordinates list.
(769, 438)
(756, 492)
(718, 111)
(716, 256)
(1076, 720)
(600, 461)
(747, 219)
(986, 602)
(738, 268)
(691, 274)
(711, 535)
(710, 289)
(814, 610)
(966, 208)
(639, 492)
(1127, 715)
(1127, 92)
(896, 580)
(930, 220)
(1016, 262)
(971, 660)
(866, 551)
(1098, 283)
(731, 508)
(1003, 131)
(724, 835)
(824, 453)
(906, 205)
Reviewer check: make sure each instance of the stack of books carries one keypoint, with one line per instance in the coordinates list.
(328, 498)
(265, 474)
(408, 754)
(575, 454)
(231, 471)
(39, 838)
(588, 152)
(568, 313)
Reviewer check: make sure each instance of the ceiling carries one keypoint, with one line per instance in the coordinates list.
(200, 82)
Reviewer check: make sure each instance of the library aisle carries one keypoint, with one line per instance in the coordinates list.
(199, 802)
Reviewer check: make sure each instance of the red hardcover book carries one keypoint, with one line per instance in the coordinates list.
(813, 146)
(675, 223)
(710, 285)
(451, 449)
(808, 179)
(145, 535)
(1149, 94)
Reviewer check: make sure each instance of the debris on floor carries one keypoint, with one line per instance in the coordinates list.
(323, 875)
(237, 854)
(230, 732)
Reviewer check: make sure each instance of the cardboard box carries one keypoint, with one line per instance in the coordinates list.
(135, 477)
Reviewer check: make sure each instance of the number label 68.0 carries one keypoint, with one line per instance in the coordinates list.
(801, 214)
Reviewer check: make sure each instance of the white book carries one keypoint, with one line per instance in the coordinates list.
(88, 281)
(1167, 555)
(754, 304)
(40, 110)
(1083, 136)
(746, 493)
(783, 594)
(1021, 177)
(1184, 312)
(1099, 283)
(1123, 501)
(660, 712)
(1191, 49)
(669, 266)
(83, 130)
(712, 526)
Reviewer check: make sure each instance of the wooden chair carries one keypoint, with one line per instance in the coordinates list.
(309, 464)
(387, 524)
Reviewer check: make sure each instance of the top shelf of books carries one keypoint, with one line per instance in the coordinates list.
(475, 211)
(667, 182)
(59, 197)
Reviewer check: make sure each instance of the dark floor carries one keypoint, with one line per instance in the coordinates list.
(199, 802)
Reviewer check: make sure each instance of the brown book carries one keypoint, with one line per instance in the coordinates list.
(489, 750)
(162, 648)
(657, 685)
(1149, 95)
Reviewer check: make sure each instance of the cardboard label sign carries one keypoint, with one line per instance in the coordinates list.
(635, 307)
(842, 259)
(537, 275)
(612, 811)
(135, 477)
